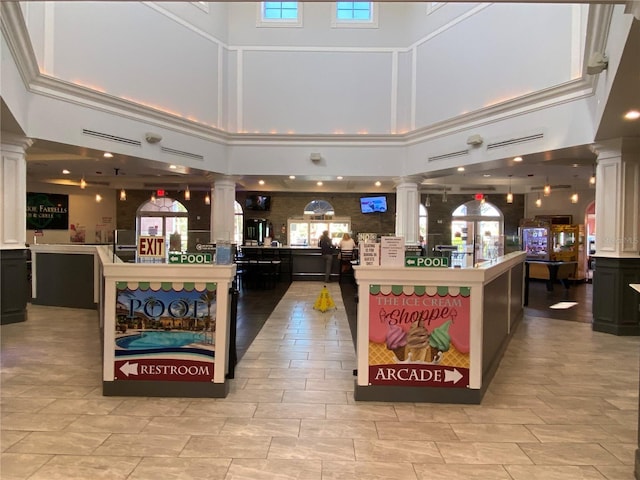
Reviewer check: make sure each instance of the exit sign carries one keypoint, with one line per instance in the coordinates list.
(151, 247)
(426, 262)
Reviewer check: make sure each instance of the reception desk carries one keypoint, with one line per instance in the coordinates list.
(435, 334)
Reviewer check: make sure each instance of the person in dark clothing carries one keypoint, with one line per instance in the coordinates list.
(326, 247)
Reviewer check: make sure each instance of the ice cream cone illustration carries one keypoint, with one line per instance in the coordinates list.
(417, 342)
(439, 342)
(397, 341)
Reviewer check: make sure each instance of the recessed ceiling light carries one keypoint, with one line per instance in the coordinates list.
(461, 169)
(486, 175)
(292, 177)
(107, 155)
(517, 159)
(172, 167)
(378, 183)
(632, 115)
(339, 177)
(319, 184)
(65, 172)
(261, 182)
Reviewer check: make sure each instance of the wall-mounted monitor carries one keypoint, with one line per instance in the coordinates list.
(258, 202)
(373, 204)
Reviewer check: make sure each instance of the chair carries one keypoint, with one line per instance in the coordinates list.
(346, 267)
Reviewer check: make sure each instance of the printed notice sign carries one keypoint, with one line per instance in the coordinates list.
(370, 254)
(392, 251)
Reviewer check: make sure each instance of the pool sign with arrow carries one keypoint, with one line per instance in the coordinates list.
(191, 258)
(426, 262)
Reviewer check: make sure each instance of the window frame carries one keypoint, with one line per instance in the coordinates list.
(339, 23)
(263, 22)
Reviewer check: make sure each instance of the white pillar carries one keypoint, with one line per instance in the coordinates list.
(407, 212)
(223, 197)
(13, 191)
(618, 198)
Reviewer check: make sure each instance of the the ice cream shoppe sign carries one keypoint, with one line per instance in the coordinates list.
(419, 336)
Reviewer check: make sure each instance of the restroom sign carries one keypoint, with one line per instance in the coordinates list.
(151, 247)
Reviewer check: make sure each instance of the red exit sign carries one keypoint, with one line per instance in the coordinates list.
(151, 247)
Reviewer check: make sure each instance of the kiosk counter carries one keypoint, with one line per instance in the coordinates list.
(435, 334)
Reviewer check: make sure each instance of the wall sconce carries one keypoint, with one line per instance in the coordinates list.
(187, 193)
(538, 201)
(509, 195)
(83, 183)
(207, 199)
(98, 198)
(123, 195)
(547, 188)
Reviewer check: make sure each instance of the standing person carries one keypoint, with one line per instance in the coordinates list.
(347, 244)
(326, 248)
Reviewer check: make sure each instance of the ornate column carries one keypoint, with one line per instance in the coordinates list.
(13, 226)
(615, 305)
(407, 213)
(223, 197)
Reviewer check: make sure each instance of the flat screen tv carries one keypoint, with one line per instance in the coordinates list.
(258, 202)
(373, 204)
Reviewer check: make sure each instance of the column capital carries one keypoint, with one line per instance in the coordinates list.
(15, 140)
(615, 147)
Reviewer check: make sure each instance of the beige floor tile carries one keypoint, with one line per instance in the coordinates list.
(181, 468)
(316, 448)
(483, 453)
(93, 406)
(433, 432)
(60, 443)
(207, 407)
(291, 373)
(188, 425)
(261, 427)
(616, 472)
(21, 465)
(431, 413)
(491, 432)
(36, 422)
(362, 411)
(340, 470)
(143, 445)
(461, 472)
(338, 429)
(276, 384)
(148, 407)
(411, 451)
(309, 396)
(522, 416)
(290, 410)
(625, 452)
(249, 469)
(10, 437)
(571, 433)
(24, 404)
(226, 446)
(568, 454)
(74, 467)
(543, 472)
(108, 423)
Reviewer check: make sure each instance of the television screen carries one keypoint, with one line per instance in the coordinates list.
(373, 204)
(258, 202)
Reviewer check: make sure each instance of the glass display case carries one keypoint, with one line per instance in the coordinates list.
(534, 239)
(564, 243)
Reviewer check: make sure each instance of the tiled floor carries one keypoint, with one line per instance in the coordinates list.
(563, 405)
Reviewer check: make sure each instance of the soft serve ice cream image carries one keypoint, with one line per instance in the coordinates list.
(419, 345)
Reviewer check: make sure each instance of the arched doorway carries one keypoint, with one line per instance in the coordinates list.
(477, 228)
(164, 217)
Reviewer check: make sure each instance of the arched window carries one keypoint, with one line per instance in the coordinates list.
(164, 217)
(318, 207)
(478, 225)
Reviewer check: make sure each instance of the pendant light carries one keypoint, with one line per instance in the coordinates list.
(187, 193)
(574, 195)
(83, 183)
(123, 195)
(444, 194)
(427, 202)
(592, 178)
(153, 197)
(538, 201)
(207, 199)
(98, 198)
(510, 195)
(547, 188)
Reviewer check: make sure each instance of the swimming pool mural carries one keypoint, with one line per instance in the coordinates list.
(165, 331)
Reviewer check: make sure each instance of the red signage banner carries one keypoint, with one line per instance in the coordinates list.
(419, 375)
(164, 369)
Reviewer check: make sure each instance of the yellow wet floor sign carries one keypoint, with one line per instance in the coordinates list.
(324, 301)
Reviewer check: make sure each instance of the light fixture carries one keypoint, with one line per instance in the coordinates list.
(123, 195)
(510, 195)
(574, 197)
(517, 159)
(187, 193)
(107, 155)
(378, 183)
(319, 184)
(538, 201)
(339, 177)
(547, 188)
(83, 183)
(292, 177)
(461, 169)
(65, 172)
(261, 182)
(207, 199)
(444, 194)
(173, 167)
(98, 198)
(592, 178)
(632, 115)
(427, 201)
(153, 197)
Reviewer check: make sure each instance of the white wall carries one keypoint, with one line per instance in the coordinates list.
(558, 203)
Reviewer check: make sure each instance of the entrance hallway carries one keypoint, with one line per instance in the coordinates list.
(563, 405)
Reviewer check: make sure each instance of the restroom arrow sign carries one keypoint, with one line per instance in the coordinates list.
(129, 369)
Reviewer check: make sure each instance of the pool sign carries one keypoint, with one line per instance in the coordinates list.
(190, 258)
(426, 262)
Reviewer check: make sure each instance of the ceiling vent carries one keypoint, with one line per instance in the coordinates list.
(181, 153)
(112, 138)
(479, 188)
(445, 156)
(515, 141)
(553, 187)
